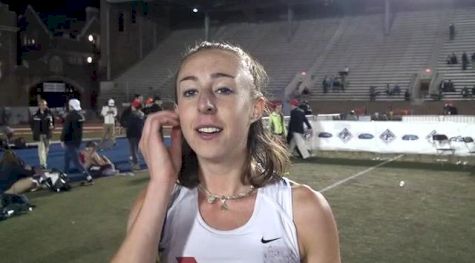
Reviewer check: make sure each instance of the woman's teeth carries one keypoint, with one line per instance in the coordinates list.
(209, 130)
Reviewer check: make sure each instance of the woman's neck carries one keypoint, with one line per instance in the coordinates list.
(222, 178)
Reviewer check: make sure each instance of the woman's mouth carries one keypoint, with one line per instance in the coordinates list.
(208, 132)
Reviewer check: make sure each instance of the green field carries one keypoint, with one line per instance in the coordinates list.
(430, 219)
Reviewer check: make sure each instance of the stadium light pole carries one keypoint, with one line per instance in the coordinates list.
(206, 21)
(290, 20)
(206, 26)
(387, 16)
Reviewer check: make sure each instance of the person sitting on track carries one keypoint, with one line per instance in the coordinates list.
(97, 165)
(16, 176)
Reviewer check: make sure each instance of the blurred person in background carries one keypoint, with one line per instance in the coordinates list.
(157, 104)
(277, 123)
(295, 137)
(71, 138)
(109, 113)
(16, 176)
(42, 127)
(134, 126)
(148, 104)
(98, 165)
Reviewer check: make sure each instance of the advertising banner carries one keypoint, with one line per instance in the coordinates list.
(422, 137)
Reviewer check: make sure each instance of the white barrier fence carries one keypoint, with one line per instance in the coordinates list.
(439, 118)
(395, 137)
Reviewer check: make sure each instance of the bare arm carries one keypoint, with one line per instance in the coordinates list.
(149, 211)
(136, 208)
(316, 227)
(144, 225)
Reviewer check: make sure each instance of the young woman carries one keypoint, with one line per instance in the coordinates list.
(221, 197)
(96, 164)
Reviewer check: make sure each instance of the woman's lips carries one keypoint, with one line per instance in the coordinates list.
(208, 132)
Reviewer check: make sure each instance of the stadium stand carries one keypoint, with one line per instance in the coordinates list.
(156, 68)
(283, 57)
(464, 41)
(417, 40)
(376, 59)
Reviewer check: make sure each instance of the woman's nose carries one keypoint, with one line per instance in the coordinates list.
(206, 103)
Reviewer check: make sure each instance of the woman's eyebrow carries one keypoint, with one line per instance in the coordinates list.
(188, 78)
(213, 76)
(221, 75)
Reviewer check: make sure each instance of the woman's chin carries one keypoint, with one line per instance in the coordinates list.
(210, 155)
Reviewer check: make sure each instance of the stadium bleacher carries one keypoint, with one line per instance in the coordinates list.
(417, 40)
(376, 60)
(464, 41)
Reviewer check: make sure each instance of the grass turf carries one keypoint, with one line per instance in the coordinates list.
(84, 225)
(430, 219)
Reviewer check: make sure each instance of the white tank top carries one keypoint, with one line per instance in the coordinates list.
(268, 236)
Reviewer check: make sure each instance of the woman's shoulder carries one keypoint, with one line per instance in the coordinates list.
(315, 223)
(307, 199)
(308, 202)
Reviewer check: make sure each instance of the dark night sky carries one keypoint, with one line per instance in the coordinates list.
(73, 8)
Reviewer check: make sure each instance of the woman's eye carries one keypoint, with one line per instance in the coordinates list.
(189, 93)
(224, 90)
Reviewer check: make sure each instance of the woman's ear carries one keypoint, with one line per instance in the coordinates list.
(259, 107)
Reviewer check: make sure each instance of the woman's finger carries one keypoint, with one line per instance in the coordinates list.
(151, 143)
(153, 125)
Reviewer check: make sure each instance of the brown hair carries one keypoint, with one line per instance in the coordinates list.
(267, 158)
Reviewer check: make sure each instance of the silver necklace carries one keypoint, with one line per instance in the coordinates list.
(211, 198)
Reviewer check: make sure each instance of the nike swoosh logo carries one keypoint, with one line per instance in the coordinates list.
(265, 241)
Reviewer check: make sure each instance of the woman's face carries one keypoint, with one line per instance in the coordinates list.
(215, 104)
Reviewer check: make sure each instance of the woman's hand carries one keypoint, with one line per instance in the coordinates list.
(163, 164)
(148, 214)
